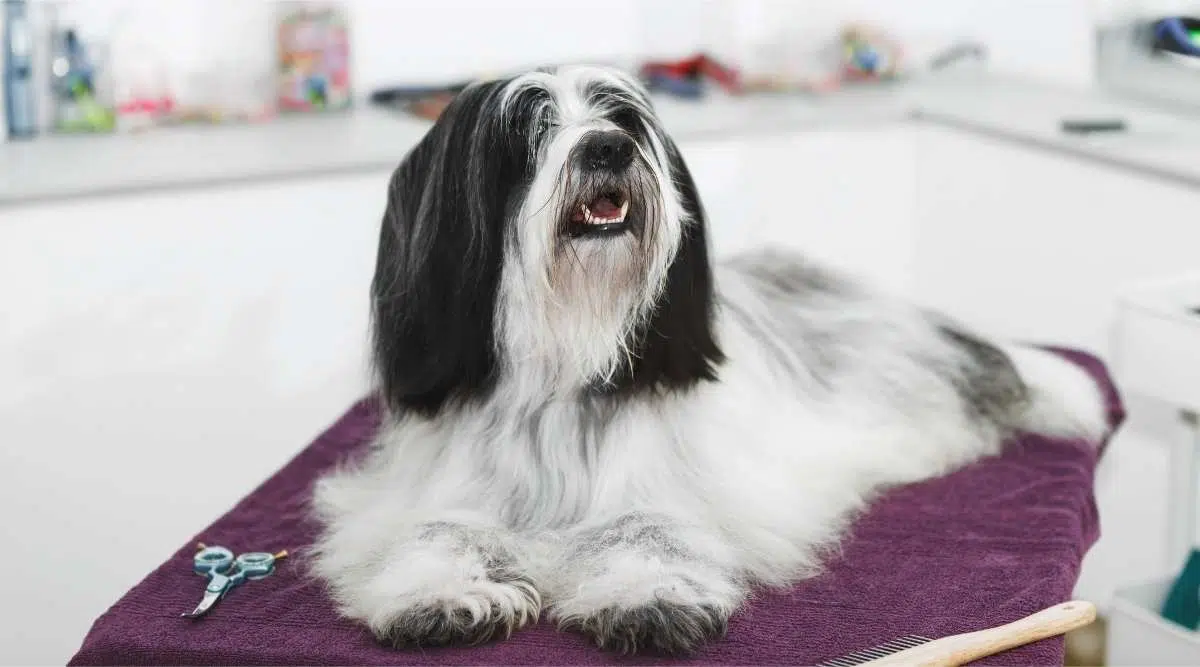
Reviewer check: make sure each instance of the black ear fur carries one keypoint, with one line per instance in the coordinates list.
(440, 253)
(677, 348)
(438, 265)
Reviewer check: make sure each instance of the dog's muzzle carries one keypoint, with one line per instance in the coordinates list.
(604, 159)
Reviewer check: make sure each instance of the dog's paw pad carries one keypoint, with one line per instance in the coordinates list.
(662, 627)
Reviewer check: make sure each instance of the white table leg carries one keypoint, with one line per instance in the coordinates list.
(1182, 492)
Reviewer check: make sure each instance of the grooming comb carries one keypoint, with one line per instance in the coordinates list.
(960, 649)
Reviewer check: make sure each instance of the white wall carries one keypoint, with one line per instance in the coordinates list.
(1109, 10)
(422, 40)
(1045, 39)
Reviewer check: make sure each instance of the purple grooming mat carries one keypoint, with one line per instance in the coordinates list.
(980, 547)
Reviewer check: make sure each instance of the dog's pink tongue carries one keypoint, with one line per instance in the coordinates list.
(604, 208)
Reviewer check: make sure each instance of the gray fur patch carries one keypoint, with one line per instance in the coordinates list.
(549, 452)
(800, 289)
(441, 529)
(792, 276)
(988, 383)
(638, 531)
(498, 560)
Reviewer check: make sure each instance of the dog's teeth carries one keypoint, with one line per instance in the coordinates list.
(593, 219)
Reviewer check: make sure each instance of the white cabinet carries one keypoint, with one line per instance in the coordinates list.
(162, 354)
(1035, 244)
(718, 168)
(841, 195)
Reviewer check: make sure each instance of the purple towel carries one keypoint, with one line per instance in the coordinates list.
(977, 548)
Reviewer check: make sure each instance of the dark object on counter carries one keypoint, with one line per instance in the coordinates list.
(679, 87)
(401, 95)
(686, 78)
(1177, 34)
(1093, 126)
(1182, 605)
(957, 53)
(421, 101)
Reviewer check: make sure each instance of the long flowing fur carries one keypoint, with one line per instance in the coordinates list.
(607, 429)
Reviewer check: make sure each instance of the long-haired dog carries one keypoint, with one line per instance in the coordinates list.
(585, 417)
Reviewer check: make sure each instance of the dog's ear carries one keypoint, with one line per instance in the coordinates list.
(439, 259)
(677, 347)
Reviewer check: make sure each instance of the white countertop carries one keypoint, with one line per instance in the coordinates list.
(1158, 142)
(54, 167)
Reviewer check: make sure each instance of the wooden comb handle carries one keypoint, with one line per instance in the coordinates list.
(960, 649)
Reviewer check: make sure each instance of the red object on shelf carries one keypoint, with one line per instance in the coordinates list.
(697, 66)
(145, 105)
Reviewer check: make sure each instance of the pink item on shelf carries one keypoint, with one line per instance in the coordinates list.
(151, 106)
(314, 58)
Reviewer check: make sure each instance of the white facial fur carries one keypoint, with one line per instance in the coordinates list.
(568, 306)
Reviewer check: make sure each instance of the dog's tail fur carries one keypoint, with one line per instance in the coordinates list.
(1063, 399)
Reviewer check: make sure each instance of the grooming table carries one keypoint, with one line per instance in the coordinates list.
(977, 548)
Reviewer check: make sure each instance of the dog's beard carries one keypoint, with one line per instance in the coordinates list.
(584, 268)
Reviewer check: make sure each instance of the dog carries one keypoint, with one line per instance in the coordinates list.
(585, 417)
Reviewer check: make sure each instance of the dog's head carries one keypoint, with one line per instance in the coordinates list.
(545, 233)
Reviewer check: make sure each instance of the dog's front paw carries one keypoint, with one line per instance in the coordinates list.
(661, 626)
(489, 610)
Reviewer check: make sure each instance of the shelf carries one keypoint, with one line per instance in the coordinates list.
(58, 167)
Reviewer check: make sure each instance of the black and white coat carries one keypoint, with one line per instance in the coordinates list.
(586, 418)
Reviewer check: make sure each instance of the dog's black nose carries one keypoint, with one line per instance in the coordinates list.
(607, 150)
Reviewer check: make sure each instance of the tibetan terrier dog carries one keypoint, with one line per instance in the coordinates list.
(585, 417)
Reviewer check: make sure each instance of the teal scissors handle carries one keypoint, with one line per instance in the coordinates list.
(218, 565)
(212, 559)
(255, 565)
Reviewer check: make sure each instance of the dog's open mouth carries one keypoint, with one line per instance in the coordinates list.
(606, 214)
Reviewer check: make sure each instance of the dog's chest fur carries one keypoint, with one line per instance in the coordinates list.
(759, 440)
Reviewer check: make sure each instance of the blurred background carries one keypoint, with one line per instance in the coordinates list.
(190, 193)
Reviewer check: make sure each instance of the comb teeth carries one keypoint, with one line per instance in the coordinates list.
(877, 652)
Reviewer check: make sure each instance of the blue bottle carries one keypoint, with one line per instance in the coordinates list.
(19, 104)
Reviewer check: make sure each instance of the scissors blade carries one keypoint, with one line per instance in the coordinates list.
(210, 598)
